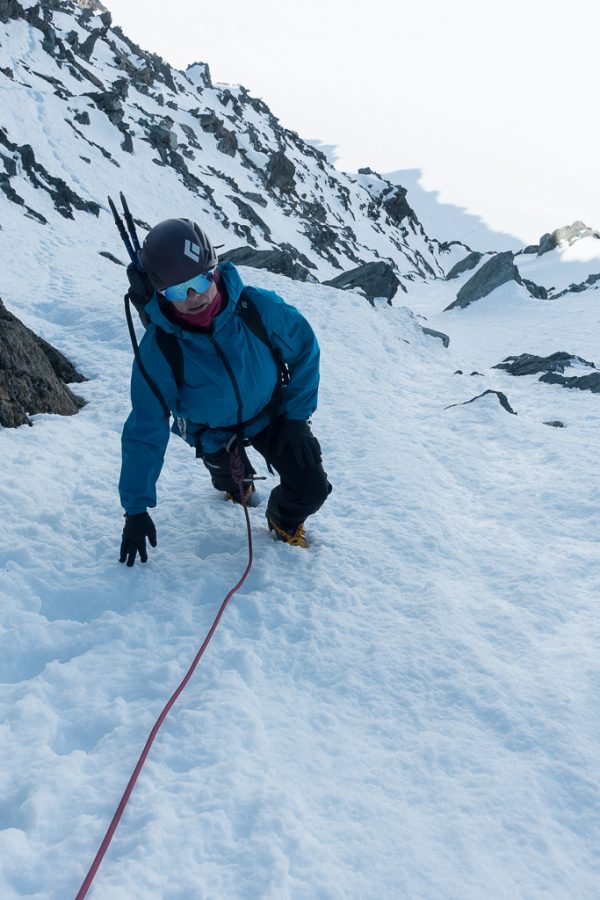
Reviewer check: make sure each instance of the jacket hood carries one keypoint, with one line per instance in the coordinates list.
(234, 287)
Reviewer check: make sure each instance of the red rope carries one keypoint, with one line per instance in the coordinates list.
(130, 786)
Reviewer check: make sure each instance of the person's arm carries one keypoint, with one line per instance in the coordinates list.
(146, 431)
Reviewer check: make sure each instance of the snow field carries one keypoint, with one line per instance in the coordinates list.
(406, 709)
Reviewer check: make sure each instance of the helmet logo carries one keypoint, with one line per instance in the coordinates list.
(192, 251)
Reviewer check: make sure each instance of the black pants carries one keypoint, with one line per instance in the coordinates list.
(301, 492)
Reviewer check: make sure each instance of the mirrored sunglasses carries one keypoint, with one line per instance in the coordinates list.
(199, 283)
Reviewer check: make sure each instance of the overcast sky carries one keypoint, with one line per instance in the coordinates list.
(496, 104)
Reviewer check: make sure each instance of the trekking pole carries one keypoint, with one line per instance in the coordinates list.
(130, 224)
(124, 236)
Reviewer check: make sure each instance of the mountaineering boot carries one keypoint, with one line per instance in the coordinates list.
(294, 535)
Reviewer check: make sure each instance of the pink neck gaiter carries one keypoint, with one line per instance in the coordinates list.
(204, 318)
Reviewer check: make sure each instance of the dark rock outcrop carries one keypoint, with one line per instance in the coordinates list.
(502, 400)
(578, 288)
(63, 197)
(547, 243)
(110, 102)
(397, 206)
(495, 272)
(437, 334)
(9, 9)
(589, 382)
(464, 265)
(199, 72)
(536, 290)
(376, 279)
(251, 216)
(323, 238)
(33, 375)
(227, 142)
(553, 367)
(256, 198)
(87, 48)
(281, 262)
(281, 172)
(528, 364)
(162, 138)
(190, 135)
(314, 211)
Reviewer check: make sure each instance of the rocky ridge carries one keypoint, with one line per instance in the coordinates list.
(255, 183)
(78, 80)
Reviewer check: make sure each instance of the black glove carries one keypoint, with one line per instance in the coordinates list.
(137, 528)
(140, 288)
(305, 447)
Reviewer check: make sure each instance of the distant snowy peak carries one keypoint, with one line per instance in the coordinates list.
(562, 237)
(94, 5)
(565, 261)
(88, 111)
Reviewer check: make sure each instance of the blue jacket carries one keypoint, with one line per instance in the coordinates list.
(207, 400)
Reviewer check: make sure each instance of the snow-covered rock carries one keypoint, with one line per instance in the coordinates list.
(496, 271)
(33, 375)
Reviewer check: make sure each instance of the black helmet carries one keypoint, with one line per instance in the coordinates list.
(176, 250)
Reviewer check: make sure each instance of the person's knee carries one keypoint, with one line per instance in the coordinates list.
(319, 487)
(218, 465)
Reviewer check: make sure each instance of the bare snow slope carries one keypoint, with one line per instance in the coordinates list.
(409, 708)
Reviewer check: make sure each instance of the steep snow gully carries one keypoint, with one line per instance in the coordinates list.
(409, 709)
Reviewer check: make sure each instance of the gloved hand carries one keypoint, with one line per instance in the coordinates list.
(137, 528)
(305, 447)
(140, 288)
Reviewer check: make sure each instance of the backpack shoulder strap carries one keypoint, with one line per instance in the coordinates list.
(251, 318)
(170, 348)
(138, 359)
